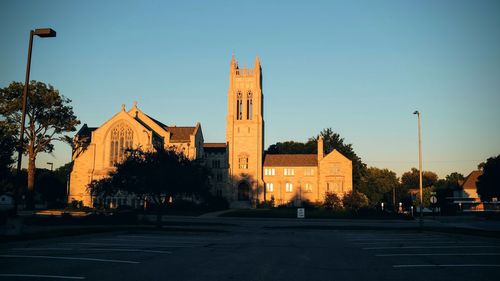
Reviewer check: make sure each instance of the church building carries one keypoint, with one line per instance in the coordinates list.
(241, 171)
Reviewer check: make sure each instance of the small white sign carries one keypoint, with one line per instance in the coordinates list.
(434, 199)
(301, 213)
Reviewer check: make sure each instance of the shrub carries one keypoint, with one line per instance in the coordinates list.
(332, 202)
(354, 200)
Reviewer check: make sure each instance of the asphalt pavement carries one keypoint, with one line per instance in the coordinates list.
(254, 251)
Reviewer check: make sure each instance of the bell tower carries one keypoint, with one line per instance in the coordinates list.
(245, 130)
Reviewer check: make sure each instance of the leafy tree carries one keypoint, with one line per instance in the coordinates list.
(331, 141)
(332, 202)
(48, 116)
(377, 183)
(411, 179)
(444, 188)
(51, 187)
(354, 200)
(488, 184)
(158, 176)
(7, 146)
(292, 147)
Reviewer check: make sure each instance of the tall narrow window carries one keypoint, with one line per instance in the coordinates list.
(122, 138)
(249, 106)
(243, 162)
(239, 107)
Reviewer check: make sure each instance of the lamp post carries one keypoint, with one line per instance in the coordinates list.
(44, 33)
(421, 219)
(51, 166)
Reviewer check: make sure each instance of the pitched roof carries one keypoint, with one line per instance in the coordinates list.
(291, 160)
(85, 131)
(180, 134)
(157, 122)
(214, 145)
(471, 179)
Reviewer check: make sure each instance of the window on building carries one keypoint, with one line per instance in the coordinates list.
(219, 177)
(308, 172)
(269, 171)
(215, 163)
(243, 162)
(249, 106)
(308, 187)
(122, 138)
(288, 171)
(239, 107)
(289, 187)
(269, 187)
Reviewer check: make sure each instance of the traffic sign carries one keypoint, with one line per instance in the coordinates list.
(434, 199)
(301, 213)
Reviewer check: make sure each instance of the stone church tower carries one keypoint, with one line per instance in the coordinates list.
(245, 131)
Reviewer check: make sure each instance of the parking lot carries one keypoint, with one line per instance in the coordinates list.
(254, 253)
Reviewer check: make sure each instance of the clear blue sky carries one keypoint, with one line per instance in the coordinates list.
(360, 67)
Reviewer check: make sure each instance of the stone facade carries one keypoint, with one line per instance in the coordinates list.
(97, 150)
(293, 178)
(245, 131)
(239, 171)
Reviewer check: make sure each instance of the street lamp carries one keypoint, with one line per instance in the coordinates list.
(51, 165)
(44, 33)
(421, 220)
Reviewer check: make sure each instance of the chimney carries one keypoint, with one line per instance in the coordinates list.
(320, 148)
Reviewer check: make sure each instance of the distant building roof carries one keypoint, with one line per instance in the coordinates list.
(180, 134)
(211, 147)
(85, 131)
(214, 145)
(290, 160)
(471, 179)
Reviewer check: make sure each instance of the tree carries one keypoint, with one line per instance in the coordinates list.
(48, 116)
(411, 179)
(7, 147)
(331, 141)
(444, 188)
(292, 147)
(332, 202)
(51, 187)
(377, 183)
(354, 200)
(158, 176)
(488, 184)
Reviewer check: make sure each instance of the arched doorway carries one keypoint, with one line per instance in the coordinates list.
(243, 191)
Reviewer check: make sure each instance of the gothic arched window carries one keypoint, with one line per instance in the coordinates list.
(249, 106)
(122, 138)
(239, 107)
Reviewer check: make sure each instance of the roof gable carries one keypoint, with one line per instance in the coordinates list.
(471, 179)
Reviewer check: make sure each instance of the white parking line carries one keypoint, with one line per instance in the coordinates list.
(439, 254)
(68, 258)
(42, 276)
(42, 249)
(127, 250)
(148, 241)
(384, 239)
(166, 238)
(413, 242)
(430, 247)
(127, 245)
(444, 265)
